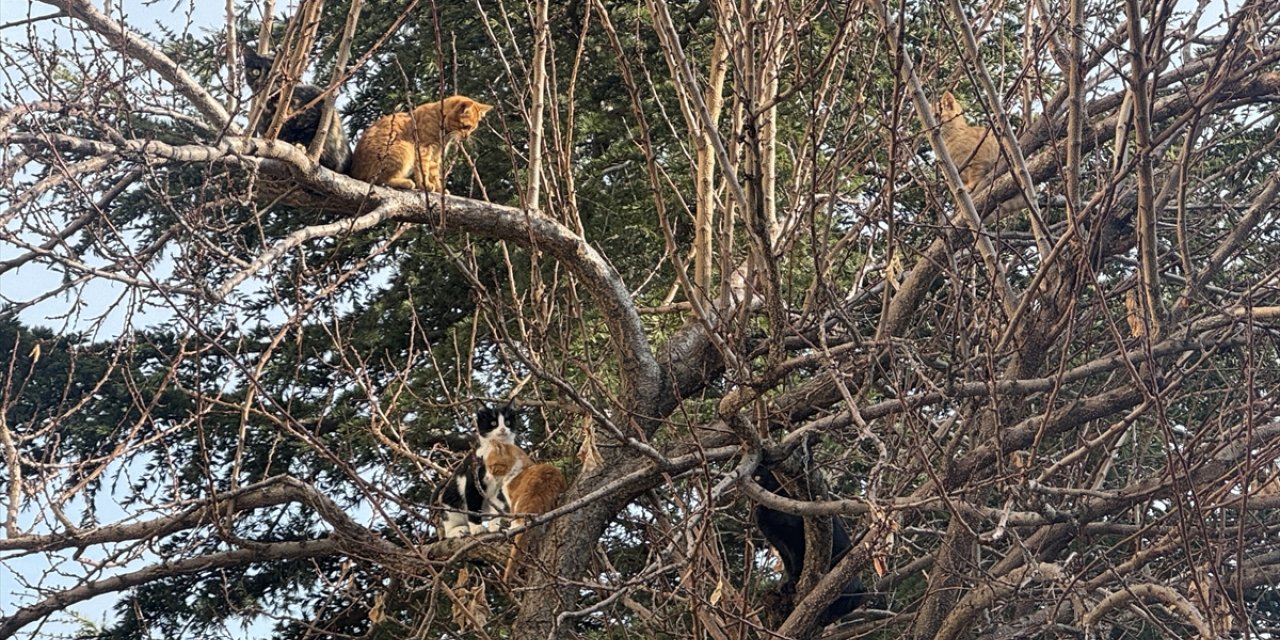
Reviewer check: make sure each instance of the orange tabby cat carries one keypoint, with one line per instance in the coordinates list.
(406, 150)
(529, 488)
(973, 149)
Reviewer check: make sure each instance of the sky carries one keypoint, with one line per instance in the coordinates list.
(99, 306)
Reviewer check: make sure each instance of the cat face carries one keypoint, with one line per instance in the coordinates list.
(256, 67)
(765, 478)
(462, 115)
(497, 423)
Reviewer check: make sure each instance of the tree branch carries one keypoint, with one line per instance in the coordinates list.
(164, 569)
(131, 45)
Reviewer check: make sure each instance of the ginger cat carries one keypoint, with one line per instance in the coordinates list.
(973, 149)
(406, 150)
(528, 487)
(535, 490)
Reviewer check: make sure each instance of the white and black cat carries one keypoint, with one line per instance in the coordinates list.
(301, 128)
(785, 532)
(475, 491)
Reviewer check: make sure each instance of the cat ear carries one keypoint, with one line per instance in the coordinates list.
(461, 106)
(948, 104)
(509, 414)
(467, 105)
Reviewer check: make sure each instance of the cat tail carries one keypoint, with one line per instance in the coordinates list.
(337, 149)
(535, 491)
(509, 571)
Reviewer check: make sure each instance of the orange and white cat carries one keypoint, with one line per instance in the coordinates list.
(406, 150)
(527, 487)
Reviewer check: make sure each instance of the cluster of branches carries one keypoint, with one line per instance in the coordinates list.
(697, 238)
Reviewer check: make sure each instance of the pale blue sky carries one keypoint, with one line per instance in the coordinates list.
(98, 306)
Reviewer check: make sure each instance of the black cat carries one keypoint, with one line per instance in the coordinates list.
(302, 127)
(785, 532)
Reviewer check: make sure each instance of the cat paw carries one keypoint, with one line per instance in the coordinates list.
(400, 183)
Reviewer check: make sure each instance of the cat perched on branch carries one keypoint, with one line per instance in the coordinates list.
(528, 487)
(785, 533)
(474, 493)
(406, 150)
(498, 477)
(974, 150)
(300, 125)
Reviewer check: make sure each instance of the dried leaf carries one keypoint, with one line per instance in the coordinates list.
(877, 563)
(587, 453)
(893, 270)
(1136, 326)
(880, 545)
(471, 611)
(1020, 460)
